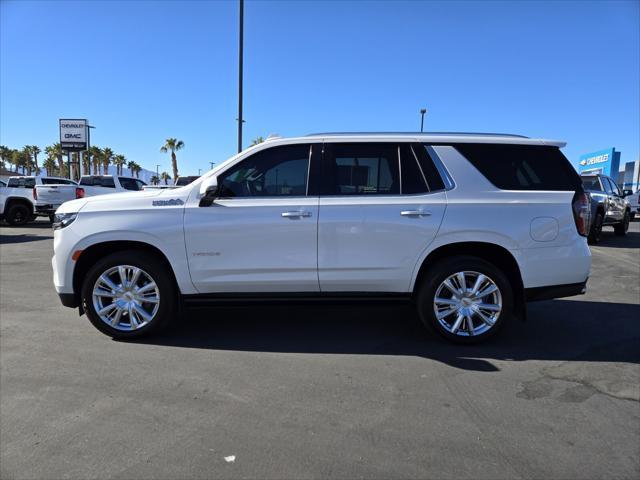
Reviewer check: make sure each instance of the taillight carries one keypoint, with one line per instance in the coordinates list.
(79, 192)
(582, 212)
(35, 193)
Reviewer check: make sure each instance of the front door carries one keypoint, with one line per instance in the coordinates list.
(380, 207)
(260, 235)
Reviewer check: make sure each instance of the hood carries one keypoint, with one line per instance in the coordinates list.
(121, 201)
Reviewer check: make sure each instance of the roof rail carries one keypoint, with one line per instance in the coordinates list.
(480, 134)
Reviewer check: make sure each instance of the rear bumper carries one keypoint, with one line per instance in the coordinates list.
(555, 291)
(69, 300)
(47, 209)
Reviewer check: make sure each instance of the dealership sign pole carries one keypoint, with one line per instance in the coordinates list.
(73, 137)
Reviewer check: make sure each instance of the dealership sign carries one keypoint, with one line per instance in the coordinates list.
(603, 161)
(73, 134)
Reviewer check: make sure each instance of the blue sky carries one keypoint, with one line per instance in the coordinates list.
(142, 71)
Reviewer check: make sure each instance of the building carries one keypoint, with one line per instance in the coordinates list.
(607, 162)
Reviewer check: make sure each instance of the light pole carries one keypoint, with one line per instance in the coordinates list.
(157, 173)
(422, 112)
(199, 171)
(240, 45)
(212, 164)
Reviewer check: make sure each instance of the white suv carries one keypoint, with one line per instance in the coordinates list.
(467, 226)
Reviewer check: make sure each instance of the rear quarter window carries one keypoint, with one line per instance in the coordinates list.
(591, 183)
(522, 167)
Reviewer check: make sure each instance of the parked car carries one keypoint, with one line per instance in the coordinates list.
(17, 203)
(608, 206)
(634, 201)
(467, 226)
(50, 197)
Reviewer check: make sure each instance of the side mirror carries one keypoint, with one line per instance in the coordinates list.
(626, 193)
(208, 191)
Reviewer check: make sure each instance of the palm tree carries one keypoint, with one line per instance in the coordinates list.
(20, 159)
(50, 165)
(154, 180)
(131, 165)
(136, 169)
(165, 176)
(172, 145)
(55, 151)
(86, 162)
(96, 154)
(107, 155)
(119, 161)
(33, 151)
(257, 141)
(5, 155)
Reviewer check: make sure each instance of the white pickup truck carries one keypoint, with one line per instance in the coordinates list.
(50, 197)
(17, 202)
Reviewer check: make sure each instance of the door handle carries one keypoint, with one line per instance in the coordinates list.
(415, 213)
(296, 214)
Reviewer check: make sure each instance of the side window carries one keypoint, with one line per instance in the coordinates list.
(361, 169)
(140, 184)
(433, 170)
(275, 172)
(607, 185)
(106, 182)
(413, 180)
(614, 187)
(129, 183)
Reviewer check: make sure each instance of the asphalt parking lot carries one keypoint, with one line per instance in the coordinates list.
(331, 391)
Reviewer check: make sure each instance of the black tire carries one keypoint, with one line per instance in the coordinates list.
(622, 228)
(443, 269)
(18, 214)
(595, 232)
(153, 266)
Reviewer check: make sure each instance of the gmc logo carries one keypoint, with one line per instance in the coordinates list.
(72, 135)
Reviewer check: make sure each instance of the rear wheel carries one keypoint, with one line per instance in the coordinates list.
(595, 232)
(622, 228)
(18, 214)
(465, 299)
(129, 294)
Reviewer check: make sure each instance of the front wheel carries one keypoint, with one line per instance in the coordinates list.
(129, 294)
(465, 299)
(622, 228)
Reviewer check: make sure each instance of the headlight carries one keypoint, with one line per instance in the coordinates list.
(61, 220)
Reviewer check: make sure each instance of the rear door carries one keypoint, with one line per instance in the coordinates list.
(378, 212)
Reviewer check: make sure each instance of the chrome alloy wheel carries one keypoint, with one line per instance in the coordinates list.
(126, 297)
(467, 303)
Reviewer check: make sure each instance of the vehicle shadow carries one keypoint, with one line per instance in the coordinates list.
(610, 239)
(22, 238)
(558, 330)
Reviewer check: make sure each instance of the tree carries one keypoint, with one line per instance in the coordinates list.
(55, 151)
(154, 180)
(96, 155)
(119, 161)
(136, 169)
(33, 151)
(257, 141)
(86, 162)
(20, 159)
(107, 155)
(172, 145)
(5, 155)
(130, 165)
(50, 166)
(165, 176)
